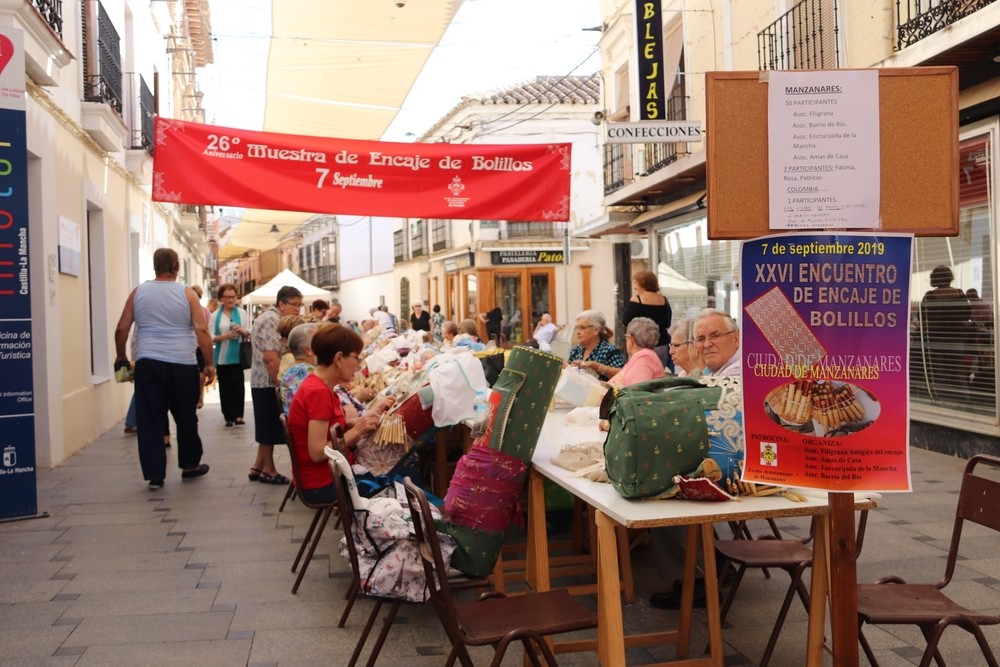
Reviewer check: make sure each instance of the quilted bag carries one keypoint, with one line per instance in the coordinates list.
(658, 429)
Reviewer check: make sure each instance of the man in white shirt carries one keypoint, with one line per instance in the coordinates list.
(544, 332)
(384, 319)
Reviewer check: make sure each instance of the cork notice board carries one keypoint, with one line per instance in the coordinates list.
(918, 142)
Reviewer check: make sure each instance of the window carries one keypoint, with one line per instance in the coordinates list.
(97, 291)
(417, 239)
(440, 235)
(397, 245)
(952, 361)
(404, 303)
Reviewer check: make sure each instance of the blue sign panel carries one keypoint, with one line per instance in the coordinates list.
(18, 489)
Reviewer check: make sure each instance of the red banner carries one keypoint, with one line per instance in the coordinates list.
(220, 166)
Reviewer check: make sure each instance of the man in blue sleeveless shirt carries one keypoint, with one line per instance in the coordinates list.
(169, 325)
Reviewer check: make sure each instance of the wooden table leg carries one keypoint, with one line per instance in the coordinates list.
(712, 594)
(610, 629)
(537, 557)
(687, 591)
(817, 604)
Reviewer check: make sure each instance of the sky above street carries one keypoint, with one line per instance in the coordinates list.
(491, 44)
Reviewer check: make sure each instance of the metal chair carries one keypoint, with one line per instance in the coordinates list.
(772, 551)
(319, 520)
(493, 619)
(892, 601)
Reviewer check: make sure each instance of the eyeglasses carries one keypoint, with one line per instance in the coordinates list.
(676, 345)
(355, 356)
(712, 338)
(585, 326)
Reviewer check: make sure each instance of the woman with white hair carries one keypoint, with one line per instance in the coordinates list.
(641, 337)
(686, 355)
(593, 352)
(304, 363)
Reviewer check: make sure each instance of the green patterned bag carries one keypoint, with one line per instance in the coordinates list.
(522, 395)
(658, 430)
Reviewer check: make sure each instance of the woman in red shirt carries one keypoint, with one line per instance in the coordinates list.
(315, 409)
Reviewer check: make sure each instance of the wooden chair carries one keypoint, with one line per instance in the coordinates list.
(291, 493)
(493, 619)
(892, 601)
(323, 511)
(772, 551)
(347, 519)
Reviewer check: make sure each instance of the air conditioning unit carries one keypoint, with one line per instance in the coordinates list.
(639, 249)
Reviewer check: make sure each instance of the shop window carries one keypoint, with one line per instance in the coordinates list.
(952, 362)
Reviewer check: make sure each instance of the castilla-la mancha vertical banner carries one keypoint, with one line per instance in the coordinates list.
(17, 421)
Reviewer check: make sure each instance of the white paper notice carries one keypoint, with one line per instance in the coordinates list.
(823, 150)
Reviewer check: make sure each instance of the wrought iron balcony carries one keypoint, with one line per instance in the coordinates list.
(104, 85)
(139, 113)
(533, 230)
(51, 11)
(916, 19)
(804, 37)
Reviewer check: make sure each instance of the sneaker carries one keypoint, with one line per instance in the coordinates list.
(197, 472)
(155, 484)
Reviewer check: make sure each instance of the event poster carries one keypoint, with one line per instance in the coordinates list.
(825, 338)
(18, 486)
(206, 164)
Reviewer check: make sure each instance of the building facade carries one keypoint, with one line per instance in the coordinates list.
(524, 268)
(665, 183)
(97, 72)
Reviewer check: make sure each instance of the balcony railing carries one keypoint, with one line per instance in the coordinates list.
(534, 230)
(804, 37)
(105, 85)
(139, 112)
(620, 160)
(916, 19)
(326, 276)
(51, 11)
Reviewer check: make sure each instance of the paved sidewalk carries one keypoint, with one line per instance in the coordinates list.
(198, 572)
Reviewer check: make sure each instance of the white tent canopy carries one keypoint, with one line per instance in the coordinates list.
(267, 293)
(674, 284)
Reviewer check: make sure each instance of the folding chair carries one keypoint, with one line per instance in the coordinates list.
(493, 619)
(892, 601)
(319, 520)
(291, 493)
(771, 551)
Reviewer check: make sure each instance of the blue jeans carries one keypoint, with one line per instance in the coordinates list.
(130, 417)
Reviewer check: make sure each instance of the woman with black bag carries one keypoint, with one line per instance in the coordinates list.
(229, 330)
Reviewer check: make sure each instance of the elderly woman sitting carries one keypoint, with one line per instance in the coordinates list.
(300, 347)
(686, 356)
(593, 351)
(641, 337)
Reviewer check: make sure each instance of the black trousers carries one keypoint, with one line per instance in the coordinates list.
(232, 393)
(161, 386)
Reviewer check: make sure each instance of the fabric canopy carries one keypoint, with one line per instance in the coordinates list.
(268, 293)
(674, 284)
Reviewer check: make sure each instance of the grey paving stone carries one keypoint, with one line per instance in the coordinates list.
(150, 628)
(133, 582)
(30, 615)
(128, 603)
(127, 562)
(24, 553)
(24, 644)
(11, 536)
(111, 519)
(39, 590)
(193, 653)
(21, 571)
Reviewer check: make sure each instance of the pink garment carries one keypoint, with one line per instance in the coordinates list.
(643, 365)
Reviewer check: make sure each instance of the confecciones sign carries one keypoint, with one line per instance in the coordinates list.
(649, 42)
(17, 438)
(205, 164)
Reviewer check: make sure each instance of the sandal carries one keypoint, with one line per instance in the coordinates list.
(254, 474)
(276, 478)
(239, 421)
